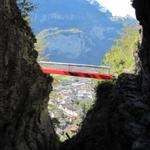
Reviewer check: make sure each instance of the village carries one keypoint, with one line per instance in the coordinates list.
(69, 102)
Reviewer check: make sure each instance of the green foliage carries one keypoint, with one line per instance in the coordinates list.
(41, 45)
(62, 138)
(120, 57)
(43, 56)
(52, 107)
(62, 77)
(85, 105)
(112, 82)
(42, 39)
(26, 8)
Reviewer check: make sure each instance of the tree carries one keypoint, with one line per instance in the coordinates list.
(121, 55)
(42, 45)
(26, 8)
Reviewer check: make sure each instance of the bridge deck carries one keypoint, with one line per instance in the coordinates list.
(80, 70)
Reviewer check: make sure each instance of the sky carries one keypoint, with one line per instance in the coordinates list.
(118, 7)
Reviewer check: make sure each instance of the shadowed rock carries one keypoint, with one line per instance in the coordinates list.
(24, 89)
(120, 118)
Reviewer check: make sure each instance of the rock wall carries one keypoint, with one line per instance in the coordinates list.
(143, 15)
(120, 118)
(24, 89)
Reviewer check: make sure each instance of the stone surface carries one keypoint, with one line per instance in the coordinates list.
(120, 117)
(24, 89)
(119, 120)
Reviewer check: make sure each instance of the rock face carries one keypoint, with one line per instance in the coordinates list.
(143, 15)
(24, 89)
(120, 118)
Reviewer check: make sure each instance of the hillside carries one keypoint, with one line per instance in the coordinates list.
(96, 28)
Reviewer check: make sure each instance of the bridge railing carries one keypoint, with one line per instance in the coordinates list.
(75, 67)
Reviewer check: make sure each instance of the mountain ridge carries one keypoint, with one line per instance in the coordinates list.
(97, 26)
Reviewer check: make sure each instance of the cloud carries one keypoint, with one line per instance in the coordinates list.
(118, 7)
